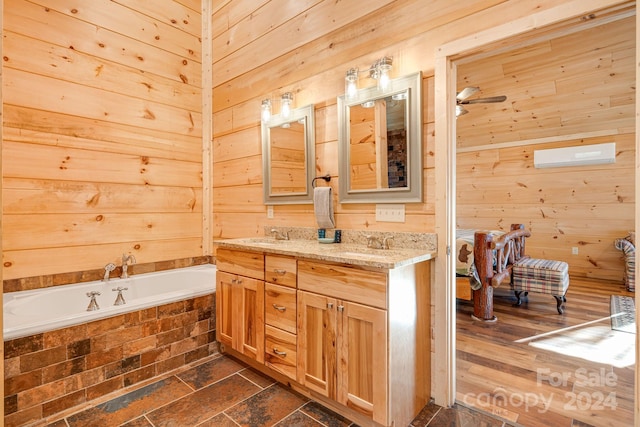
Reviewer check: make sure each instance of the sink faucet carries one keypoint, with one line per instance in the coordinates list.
(125, 264)
(278, 235)
(107, 270)
(374, 242)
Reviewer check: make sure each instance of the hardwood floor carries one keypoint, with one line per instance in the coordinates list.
(535, 382)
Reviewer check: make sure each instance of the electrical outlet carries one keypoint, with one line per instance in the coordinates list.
(270, 212)
(390, 213)
(574, 250)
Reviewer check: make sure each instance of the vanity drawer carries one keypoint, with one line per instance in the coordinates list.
(344, 282)
(280, 307)
(280, 351)
(280, 270)
(248, 264)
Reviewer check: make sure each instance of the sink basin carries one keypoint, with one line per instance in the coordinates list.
(367, 254)
(259, 241)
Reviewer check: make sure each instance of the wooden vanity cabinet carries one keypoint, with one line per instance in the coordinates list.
(280, 350)
(355, 338)
(342, 348)
(240, 302)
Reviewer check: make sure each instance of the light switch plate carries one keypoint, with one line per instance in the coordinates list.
(390, 213)
(269, 211)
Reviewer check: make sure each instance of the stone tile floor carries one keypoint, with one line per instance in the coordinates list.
(224, 392)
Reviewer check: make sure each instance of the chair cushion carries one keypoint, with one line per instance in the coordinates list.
(626, 246)
(541, 275)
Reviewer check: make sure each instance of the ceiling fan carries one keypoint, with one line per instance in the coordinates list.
(461, 99)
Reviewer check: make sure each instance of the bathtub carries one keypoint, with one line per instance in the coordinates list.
(32, 312)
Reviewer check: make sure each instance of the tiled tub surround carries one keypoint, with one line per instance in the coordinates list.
(52, 371)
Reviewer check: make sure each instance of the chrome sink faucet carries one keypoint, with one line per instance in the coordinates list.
(374, 242)
(278, 235)
(125, 264)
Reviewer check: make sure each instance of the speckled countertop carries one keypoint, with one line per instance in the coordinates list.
(405, 248)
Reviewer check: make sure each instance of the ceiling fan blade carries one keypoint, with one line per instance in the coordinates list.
(490, 99)
(467, 92)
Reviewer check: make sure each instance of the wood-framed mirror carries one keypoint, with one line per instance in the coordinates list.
(380, 143)
(288, 157)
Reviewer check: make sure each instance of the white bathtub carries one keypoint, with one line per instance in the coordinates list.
(32, 312)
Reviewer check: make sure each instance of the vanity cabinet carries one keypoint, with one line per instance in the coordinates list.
(240, 302)
(280, 350)
(354, 337)
(342, 348)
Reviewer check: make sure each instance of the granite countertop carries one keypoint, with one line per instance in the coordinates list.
(406, 248)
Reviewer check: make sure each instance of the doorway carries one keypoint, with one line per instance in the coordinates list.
(449, 57)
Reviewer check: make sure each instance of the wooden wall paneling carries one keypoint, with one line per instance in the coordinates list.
(394, 24)
(20, 263)
(87, 70)
(69, 164)
(64, 230)
(78, 100)
(248, 25)
(181, 14)
(244, 198)
(245, 171)
(111, 150)
(45, 23)
(227, 13)
(30, 196)
(324, 17)
(50, 128)
(131, 23)
(233, 146)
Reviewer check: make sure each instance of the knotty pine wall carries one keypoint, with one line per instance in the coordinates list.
(265, 48)
(102, 150)
(575, 89)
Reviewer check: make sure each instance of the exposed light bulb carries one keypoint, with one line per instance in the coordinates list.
(266, 110)
(287, 99)
(351, 83)
(383, 68)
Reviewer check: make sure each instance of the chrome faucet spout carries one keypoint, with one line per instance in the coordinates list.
(280, 235)
(125, 264)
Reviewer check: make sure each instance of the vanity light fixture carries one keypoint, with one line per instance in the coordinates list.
(286, 101)
(379, 71)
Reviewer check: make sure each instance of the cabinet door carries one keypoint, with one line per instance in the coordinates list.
(362, 356)
(317, 343)
(224, 308)
(250, 317)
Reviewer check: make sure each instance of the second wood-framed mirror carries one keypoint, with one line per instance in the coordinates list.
(288, 157)
(380, 143)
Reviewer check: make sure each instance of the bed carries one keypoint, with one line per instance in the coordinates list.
(483, 262)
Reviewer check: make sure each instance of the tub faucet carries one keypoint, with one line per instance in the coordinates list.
(93, 304)
(125, 264)
(119, 299)
(107, 270)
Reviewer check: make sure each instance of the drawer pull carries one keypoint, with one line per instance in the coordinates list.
(280, 308)
(279, 353)
(280, 271)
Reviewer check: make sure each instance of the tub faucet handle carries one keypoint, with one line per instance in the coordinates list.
(93, 304)
(107, 270)
(119, 299)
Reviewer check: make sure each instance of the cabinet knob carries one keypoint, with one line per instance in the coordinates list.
(280, 308)
(341, 308)
(280, 271)
(329, 305)
(279, 353)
